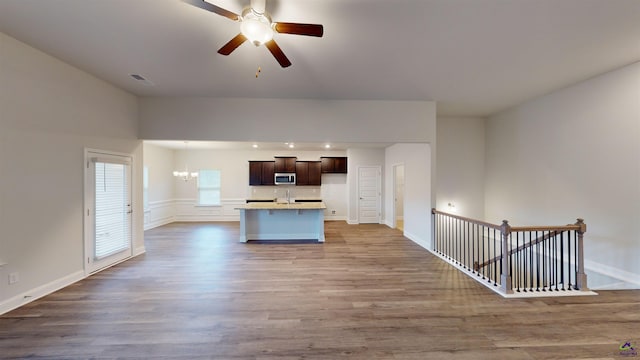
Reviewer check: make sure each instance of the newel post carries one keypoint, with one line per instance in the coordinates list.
(505, 277)
(581, 277)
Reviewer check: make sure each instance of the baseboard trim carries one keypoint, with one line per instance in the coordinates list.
(417, 240)
(618, 274)
(55, 285)
(334, 218)
(35, 294)
(159, 222)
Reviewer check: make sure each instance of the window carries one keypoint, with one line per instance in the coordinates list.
(209, 187)
(145, 187)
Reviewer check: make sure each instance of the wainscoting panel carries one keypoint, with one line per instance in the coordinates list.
(159, 213)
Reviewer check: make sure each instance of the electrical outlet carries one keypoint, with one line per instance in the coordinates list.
(14, 277)
(333, 212)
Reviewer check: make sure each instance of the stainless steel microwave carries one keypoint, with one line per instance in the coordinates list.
(285, 179)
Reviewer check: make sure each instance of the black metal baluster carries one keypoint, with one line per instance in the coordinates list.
(517, 265)
(544, 260)
(465, 241)
(436, 232)
(451, 239)
(569, 260)
(510, 259)
(530, 287)
(576, 260)
(473, 246)
(489, 256)
(434, 219)
(496, 276)
(483, 268)
(446, 236)
(466, 244)
(525, 262)
(457, 237)
(460, 242)
(440, 235)
(554, 258)
(538, 260)
(562, 261)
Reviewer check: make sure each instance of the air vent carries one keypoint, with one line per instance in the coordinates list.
(141, 79)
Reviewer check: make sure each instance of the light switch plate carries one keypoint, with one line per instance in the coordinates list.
(14, 277)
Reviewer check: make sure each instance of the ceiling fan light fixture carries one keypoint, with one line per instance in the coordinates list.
(256, 27)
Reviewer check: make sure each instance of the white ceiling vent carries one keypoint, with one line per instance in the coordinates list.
(141, 79)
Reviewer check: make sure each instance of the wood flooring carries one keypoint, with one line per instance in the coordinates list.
(366, 293)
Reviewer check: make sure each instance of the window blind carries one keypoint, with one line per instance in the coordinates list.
(112, 231)
(209, 187)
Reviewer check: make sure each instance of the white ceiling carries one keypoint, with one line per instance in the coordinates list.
(474, 57)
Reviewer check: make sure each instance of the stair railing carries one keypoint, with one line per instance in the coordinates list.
(513, 259)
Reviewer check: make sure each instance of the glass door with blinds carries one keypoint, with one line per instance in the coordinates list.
(108, 210)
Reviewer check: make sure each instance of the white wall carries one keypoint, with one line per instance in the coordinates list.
(461, 166)
(416, 159)
(574, 153)
(160, 162)
(232, 119)
(49, 113)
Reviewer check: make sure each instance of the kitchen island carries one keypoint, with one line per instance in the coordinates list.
(282, 221)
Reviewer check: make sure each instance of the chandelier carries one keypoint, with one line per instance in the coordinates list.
(185, 174)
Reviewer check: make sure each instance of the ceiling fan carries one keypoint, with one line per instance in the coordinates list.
(257, 27)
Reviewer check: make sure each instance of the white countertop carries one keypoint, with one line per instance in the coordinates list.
(281, 206)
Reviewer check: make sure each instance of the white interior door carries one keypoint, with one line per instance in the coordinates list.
(369, 194)
(107, 210)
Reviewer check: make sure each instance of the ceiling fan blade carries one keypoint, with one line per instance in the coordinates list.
(214, 9)
(299, 29)
(277, 53)
(232, 44)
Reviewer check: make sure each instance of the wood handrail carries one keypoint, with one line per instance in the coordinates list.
(568, 227)
(473, 221)
(546, 228)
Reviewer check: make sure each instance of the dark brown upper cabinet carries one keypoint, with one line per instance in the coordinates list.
(334, 165)
(308, 173)
(261, 173)
(285, 164)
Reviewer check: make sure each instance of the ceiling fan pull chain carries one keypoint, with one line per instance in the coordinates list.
(258, 72)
